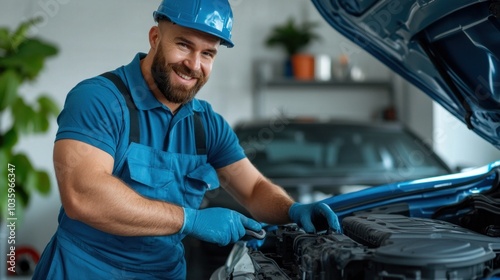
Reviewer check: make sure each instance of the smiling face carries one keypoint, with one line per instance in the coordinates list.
(181, 62)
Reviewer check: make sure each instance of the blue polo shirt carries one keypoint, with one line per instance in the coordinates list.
(95, 112)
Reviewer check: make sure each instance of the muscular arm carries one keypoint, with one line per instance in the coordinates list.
(266, 201)
(92, 195)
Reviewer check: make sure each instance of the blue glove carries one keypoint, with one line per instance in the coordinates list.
(312, 217)
(217, 225)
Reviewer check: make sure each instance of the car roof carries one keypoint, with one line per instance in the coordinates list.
(308, 121)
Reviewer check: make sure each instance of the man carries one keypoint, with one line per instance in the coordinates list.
(132, 171)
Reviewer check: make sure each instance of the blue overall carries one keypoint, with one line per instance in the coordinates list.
(165, 168)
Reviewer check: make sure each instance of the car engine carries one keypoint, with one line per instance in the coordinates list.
(372, 246)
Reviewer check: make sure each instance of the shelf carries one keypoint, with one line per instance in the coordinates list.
(261, 84)
(332, 83)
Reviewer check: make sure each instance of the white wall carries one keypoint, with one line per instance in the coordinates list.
(449, 137)
(461, 146)
(96, 36)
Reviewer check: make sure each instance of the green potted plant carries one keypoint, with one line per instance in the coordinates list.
(294, 38)
(21, 59)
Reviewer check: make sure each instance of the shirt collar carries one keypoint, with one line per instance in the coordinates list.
(141, 94)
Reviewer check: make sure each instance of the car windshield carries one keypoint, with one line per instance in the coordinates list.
(338, 151)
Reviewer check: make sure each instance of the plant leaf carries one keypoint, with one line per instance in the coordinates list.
(4, 154)
(291, 36)
(43, 182)
(19, 35)
(3, 187)
(9, 139)
(48, 105)
(9, 84)
(23, 167)
(4, 40)
(29, 58)
(23, 116)
(22, 198)
(31, 182)
(37, 180)
(40, 122)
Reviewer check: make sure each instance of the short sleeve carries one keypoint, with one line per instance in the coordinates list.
(93, 113)
(223, 145)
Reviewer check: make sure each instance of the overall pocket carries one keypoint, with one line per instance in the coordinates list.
(198, 181)
(148, 171)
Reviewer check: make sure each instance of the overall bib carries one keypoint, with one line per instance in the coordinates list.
(78, 251)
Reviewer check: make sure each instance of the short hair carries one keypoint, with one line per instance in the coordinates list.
(159, 18)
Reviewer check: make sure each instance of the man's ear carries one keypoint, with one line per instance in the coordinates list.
(154, 37)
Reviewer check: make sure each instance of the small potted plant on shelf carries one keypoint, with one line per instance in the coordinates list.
(294, 38)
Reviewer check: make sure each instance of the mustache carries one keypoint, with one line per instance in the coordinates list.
(181, 68)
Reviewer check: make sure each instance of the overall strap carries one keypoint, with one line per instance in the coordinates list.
(134, 135)
(199, 131)
(199, 134)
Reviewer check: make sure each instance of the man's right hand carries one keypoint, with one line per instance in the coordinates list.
(217, 225)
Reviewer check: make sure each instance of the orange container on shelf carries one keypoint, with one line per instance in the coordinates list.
(303, 66)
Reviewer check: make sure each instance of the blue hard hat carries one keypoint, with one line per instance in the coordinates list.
(213, 17)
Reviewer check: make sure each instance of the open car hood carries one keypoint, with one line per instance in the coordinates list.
(448, 49)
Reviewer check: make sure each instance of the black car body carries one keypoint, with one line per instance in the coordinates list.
(444, 227)
(313, 157)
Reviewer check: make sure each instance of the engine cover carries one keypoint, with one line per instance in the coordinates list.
(378, 246)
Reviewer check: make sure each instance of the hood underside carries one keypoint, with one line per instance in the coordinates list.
(448, 49)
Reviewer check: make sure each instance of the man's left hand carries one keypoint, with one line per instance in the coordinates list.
(312, 216)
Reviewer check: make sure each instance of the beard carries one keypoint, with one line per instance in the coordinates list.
(161, 72)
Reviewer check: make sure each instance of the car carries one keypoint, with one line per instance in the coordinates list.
(316, 158)
(437, 227)
(313, 159)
